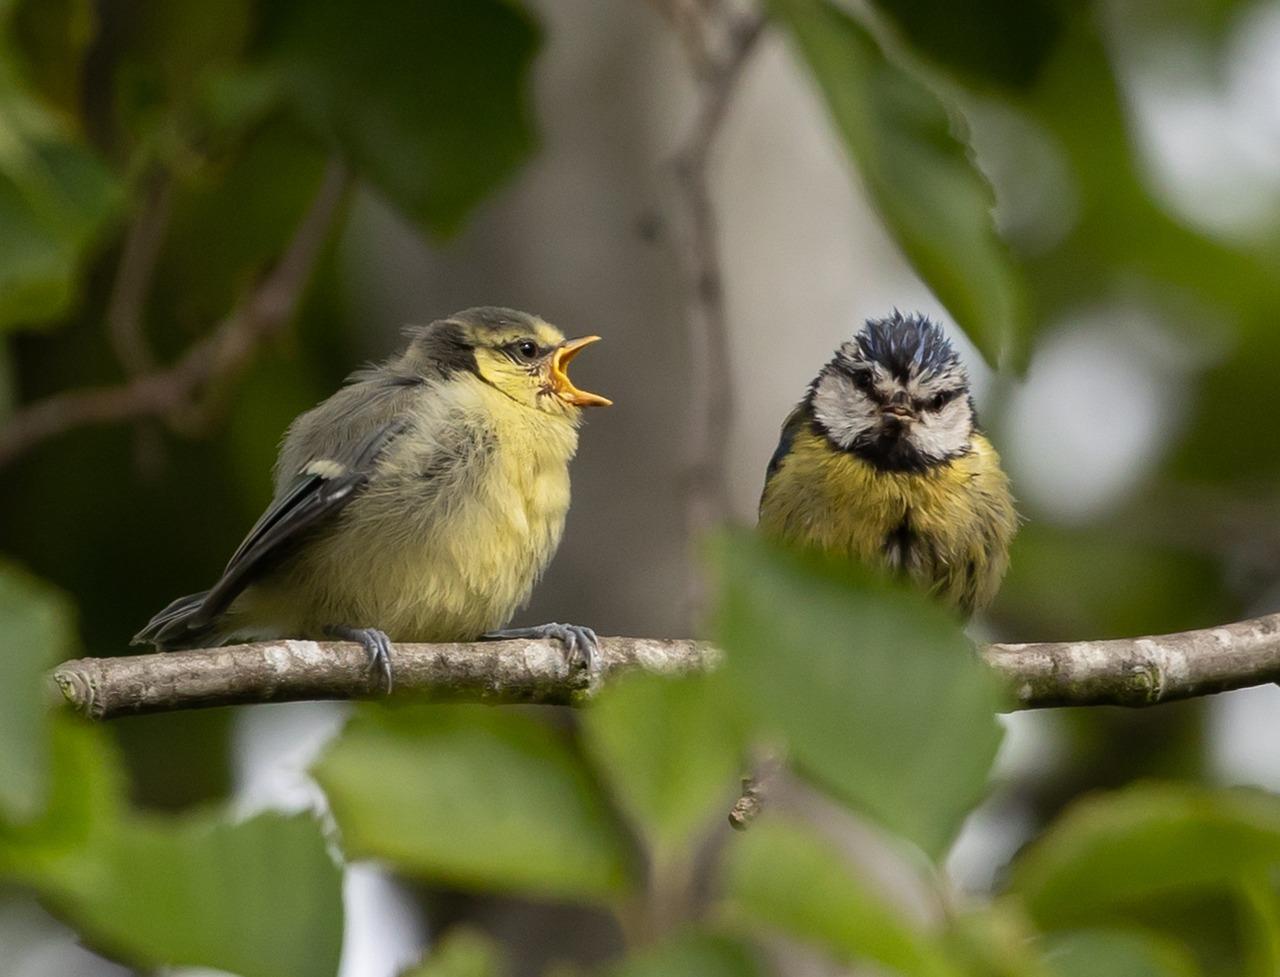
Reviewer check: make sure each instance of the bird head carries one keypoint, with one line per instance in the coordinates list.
(517, 353)
(896, 393)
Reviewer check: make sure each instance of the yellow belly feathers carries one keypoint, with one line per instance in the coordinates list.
(948, 528)
(459, 564)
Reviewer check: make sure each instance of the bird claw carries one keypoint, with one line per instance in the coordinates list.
(582, 646)
(377, 645)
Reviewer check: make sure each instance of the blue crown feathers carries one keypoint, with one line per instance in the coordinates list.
(907, 344)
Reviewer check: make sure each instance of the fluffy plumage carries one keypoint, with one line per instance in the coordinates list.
(424, 498)
(882, 463)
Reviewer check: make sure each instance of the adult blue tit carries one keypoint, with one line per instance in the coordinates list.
(883, 463)
(420, 502)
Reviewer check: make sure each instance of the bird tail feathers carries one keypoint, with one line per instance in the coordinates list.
(186, 623)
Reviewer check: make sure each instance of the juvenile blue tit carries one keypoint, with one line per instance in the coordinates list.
(882, 463)
(421, 502)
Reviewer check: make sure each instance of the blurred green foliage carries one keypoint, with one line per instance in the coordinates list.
(1099, 953)
(904, 731)
(462, 953)
(931, 196)
(216, 123)
(708, 956)
(35, 618)
(475, 797)
(671, 749)
(258, 898)
(428, 100)
(783, 877)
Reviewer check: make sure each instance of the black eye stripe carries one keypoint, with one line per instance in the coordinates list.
(940, 400)
(862, 379)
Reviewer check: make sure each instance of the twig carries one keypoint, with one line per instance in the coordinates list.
(134, 276)
(293, 670)
(125, 317)
(1141, 671)
(175, 392)
(1124, 672)
(688, 19)
(717, 69)
(755, 789)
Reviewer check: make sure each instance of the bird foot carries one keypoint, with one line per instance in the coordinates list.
(378, 646)
(582, 647)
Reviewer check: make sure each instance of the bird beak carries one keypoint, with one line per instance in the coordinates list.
(560, 382)
(900, 412)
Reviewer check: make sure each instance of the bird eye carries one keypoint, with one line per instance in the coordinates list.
(941, 400)
(862, 380)
(526, 349)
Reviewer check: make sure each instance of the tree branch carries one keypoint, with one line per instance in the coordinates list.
(175, 392)
(1141, 671)
(1125, 672)
(689, 22)
(134, 276)
(718, 44)
(295, 670)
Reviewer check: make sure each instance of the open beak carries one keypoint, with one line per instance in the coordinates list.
(560, 382)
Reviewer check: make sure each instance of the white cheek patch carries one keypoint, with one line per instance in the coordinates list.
(926, 386)
(844, 410)
(325, 468)
(940, 434)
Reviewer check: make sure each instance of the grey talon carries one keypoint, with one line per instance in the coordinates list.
(378, 647)
(582, 647)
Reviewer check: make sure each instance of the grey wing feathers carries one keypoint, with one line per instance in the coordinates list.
(176, 618)
(302, 504)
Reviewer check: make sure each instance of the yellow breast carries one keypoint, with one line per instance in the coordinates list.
(445, 558)
(947, 528)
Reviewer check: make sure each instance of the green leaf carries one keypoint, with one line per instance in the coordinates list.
(1128, 847)
(474, 797)
(1114, 953)
(992, 940)
(36, 632)
(961, 37)
(781, 875)
(85, 806)
(692, 954)
(427, 98)
(55, 200)
(167, 58)
(1122, 240)
(1260, 901)
(258, 899)
(210, 263)
(461, 953)
(51, 39)
(918, 172)
(56, 196)
(875, 688)
(670, 751)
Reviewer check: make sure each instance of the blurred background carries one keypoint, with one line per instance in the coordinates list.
(1134, 149)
